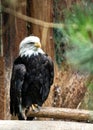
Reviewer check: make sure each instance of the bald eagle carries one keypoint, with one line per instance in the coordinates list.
(31, 79)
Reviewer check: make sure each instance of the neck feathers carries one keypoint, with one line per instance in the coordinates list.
(30, 51)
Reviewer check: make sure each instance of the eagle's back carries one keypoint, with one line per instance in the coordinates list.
(38, 78)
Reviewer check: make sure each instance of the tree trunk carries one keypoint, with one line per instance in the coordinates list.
(42, 10)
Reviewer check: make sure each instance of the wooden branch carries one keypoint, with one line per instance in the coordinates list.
(32, 20)
(64, 113)
(43, 125)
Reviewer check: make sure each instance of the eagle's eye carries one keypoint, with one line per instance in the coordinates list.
(31, 43)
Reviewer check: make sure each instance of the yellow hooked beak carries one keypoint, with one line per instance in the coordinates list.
(37, 44)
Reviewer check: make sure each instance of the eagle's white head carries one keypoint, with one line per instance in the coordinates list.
(30, 45)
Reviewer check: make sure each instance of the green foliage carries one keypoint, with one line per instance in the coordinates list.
(79, 28)
(60, 45)
(90, 86)
(79, 23)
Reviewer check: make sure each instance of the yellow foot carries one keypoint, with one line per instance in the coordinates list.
(35, 107)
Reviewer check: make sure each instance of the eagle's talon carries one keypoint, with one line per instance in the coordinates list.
(35, 107)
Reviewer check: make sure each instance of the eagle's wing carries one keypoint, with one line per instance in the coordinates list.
(49, 71)
(17, 80)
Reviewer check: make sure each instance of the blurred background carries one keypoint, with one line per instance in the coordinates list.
(65, 28)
